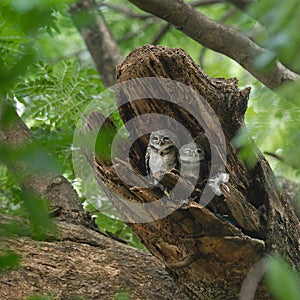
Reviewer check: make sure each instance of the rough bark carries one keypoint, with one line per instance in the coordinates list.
(207, 256)
(98, 39)
(217, 37)
(82, 264)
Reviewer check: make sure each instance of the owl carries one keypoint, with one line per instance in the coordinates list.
(191, 156)
(162, 152)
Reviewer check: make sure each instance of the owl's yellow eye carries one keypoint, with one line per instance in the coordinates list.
(155, 139)
(166, 140)
(187, 151)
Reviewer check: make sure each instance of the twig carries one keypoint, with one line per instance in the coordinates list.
(205, 2)
(161, 33)
(131, 35)
(226, 16)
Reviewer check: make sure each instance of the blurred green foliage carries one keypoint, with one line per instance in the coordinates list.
(118, 228)
(43, 297)
(48, 75)
(273, 117)
(122, 295)
(282, 281)
(8, 260)
(280, 22)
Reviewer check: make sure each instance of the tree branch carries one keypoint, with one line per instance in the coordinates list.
(159, 35)
(227, 15)
(98, 38)
(82, 264)
(217, 37)
(142, 29)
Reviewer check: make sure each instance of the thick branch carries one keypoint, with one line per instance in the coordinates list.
(83, 264)
(216, 37)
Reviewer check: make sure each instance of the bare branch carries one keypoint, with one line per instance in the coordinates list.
(217, 37)
(161, 33)
(142, 29)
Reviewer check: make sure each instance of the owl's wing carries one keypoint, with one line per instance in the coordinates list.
(147, 158)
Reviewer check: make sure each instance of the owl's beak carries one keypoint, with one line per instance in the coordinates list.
(194, 154)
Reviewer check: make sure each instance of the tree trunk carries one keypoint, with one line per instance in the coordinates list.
(211, 239)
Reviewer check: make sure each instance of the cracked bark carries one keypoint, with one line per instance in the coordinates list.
(208, 257)
(81, 263)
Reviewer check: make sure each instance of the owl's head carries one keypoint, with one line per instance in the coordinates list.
(191, 152)
(163, 138)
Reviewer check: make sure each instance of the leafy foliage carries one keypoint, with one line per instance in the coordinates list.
(275, 118)
(10, 194)
(21, 24)
(53, 100)
(51, 97)
(118, 228)
(282, 280)
(281, 20)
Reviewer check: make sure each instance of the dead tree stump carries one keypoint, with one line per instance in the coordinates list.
(208, 256)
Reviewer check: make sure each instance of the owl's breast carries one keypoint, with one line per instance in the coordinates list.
(157, 163)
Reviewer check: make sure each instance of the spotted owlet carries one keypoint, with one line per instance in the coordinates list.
(191, 156)
(162, 152)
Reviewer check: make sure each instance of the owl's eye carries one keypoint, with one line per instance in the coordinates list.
(155, 139)
(166, 139)
(199, 151)
(187, 151)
